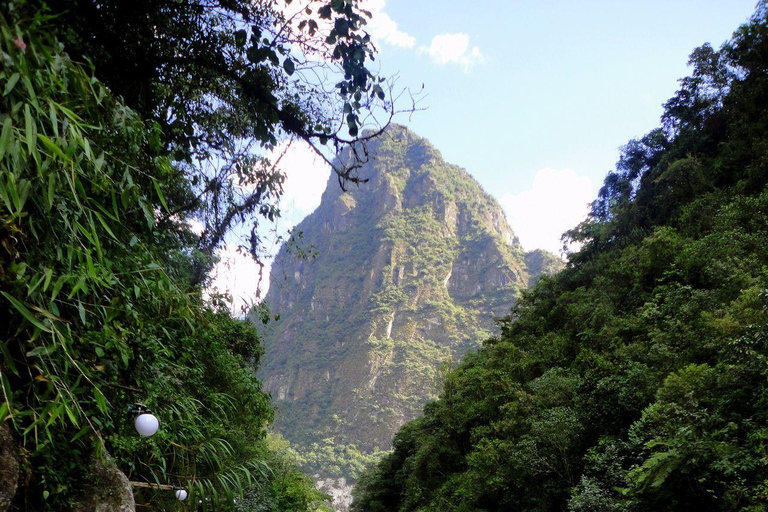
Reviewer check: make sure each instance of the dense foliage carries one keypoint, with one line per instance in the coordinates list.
(224, 80)
(102, 166)
(636, 379)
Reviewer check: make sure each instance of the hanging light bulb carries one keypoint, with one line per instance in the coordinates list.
(181, 494)
(146, 423)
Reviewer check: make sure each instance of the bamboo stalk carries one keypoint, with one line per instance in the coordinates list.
(147, 485)
(129, 388)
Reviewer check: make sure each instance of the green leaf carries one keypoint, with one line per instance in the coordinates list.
(53, 147)
(26, 313)
(7, 360)
(289, 66)
(161, 196)
(81, 311)
(240, 38)
(58, 285)
(71, 414)
(5, 137)
(48, 276)
(30, 90)
(38, 351)
(29, 127)
(83, 430)
(51, 189)
(105, 225)
(101, 400)
(11, 84)
(5, 412)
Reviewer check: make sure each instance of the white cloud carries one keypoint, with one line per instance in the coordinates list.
(453, 49)
(196, 226)
(557, 202)
(236, 274)
(383, 28)
(306, 175)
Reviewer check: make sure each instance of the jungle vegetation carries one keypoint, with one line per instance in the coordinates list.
(120, 123)
(637, 378)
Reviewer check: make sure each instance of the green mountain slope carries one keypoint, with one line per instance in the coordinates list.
(410, 270)
(637, 378)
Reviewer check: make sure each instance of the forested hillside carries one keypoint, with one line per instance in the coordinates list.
(637, 378)
(121, 123)
(406, 274)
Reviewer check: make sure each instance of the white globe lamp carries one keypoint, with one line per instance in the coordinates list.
(181, 494)
(147, 424)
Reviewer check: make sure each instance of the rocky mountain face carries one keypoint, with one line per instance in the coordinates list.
(390, 283)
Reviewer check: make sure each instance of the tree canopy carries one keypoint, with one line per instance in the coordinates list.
(120, 121)
(225, 80)
(634, 380)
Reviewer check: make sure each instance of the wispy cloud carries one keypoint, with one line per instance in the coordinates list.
(453, 49)
(557, 202)
(236, 273)
(305, 177)
(383, 28)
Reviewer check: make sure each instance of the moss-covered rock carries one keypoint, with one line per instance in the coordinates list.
(9, 467)
(108, 489)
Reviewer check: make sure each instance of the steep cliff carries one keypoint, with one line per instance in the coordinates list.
(409, 270)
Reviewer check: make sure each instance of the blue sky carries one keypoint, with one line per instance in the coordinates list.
(552, 86)
(561, 84)
(533, 98)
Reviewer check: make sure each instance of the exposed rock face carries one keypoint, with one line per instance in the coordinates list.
(411, 269)
(9, 467)
(108, 490)
(338, 489)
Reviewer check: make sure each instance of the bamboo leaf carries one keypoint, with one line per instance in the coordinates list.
(53, 147)
(161, 196)
(48, 276)
(29, 127)
(7, 359)
(81, 433)
(5, 412)
(72, 416)
(11, 84)
(26, 313)
(5, 136)
(101, 400)
(104, 225)
(81, 311)
(51, 188)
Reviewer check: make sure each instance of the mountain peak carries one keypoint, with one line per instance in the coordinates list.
(411, 269)
(404, 170)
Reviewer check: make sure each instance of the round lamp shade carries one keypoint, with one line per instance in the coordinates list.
(147, 424)
(181, 495)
